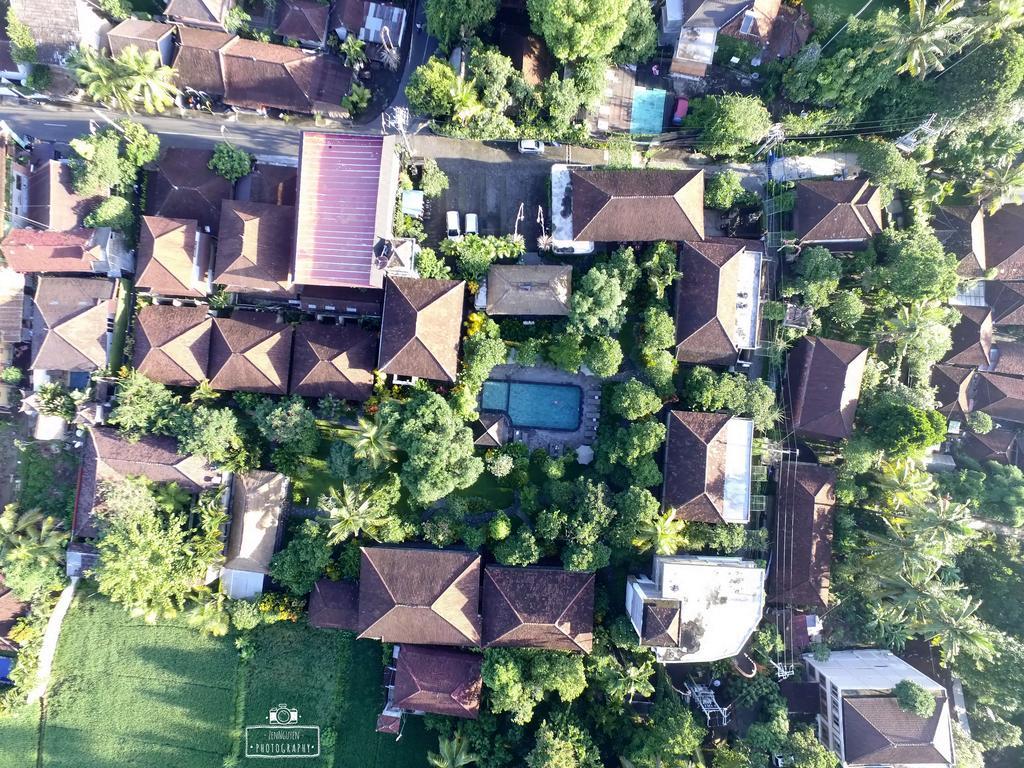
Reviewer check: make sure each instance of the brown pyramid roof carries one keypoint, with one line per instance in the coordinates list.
(1007, 302)
(52, 202)
(333, 360)
(70, 323)
(705, 300)
(439, 681)
(251, 352)
(695, 451)
(822, 387)
(32, 250)
(961, 230)
(847, 212)
(492, 429)
(108, 456)
(611, 206)
(538, 608)
(421, 327)
(172, 344)
(143, 34)
(661, 623)
(952, 390)
(998, 445)
(972, 338)
(430, 596)
(254, 248)
(1004, 242)
(1001, 397)
(876, 731)
(529, 289)
(334, 605)
(173, 257)
(802, 549)
(1008, 358)
(184, 187)
(303, 20)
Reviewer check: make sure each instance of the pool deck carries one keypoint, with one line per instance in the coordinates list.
(554, 441)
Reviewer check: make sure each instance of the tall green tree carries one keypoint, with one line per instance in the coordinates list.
(929, 35)
(729, 124)
(580, 29)
(370, 440)
(452, 21)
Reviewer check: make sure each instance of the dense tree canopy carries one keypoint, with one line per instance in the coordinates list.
(452, 21)
(580, 30)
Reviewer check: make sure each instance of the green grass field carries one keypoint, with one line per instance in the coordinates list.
(133, 695)
(128, 694)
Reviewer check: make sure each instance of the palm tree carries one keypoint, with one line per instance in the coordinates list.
(369, 440)
(465, 104)
(1000, 184)
(955, 628)
(350, 511)
(171, 496)
(354, 51)
(208, 612)
(997, 16)
(904, 483)
(131, 79)
(629, 680)
(452, 753)
(926, 37)
(31, 536)
(664, 533)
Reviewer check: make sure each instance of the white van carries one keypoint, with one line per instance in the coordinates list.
(452, 223)
(472, 224)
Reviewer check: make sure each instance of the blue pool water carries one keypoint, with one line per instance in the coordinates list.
(542, 406)
(648, 115)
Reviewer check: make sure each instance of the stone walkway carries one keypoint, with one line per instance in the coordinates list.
(49, 647)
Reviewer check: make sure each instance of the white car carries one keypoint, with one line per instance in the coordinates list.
(452, 222)
(531, 147)
(472, 224)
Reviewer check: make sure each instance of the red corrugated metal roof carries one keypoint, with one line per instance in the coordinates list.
(339, 181)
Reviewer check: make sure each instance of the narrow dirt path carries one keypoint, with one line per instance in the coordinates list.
(50, 637)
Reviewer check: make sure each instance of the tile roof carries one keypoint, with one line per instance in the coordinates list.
(11, 609)
(347, 188)
(972, 338)
(661, 623)
(952, 389)
(1001, 397)
(259, 506)
(876, 731)
(529, 289)
(961, 230)
(801, 558)
(184, 187)
(334, 605)
(822, 387)
(333, 360)
(108, 456)
(173, 257)
(421, 327)
(637, 205)
(438, 680)
(695, 472)
(705, 300)
(250, 352)
(303, 20)
(430, 596)
(199, 11)
(847, 211)
(258, 75)
(538, 608)
(52, 203)
(1007, 302)
(70, 323)
(12, 306)
(998, 445)
(1004, 242)
(1008, 358)
(274, 184)
(492, 429)
(143, 34)
(197, 63)
(172, 344)
(32, 250)
(254, 248)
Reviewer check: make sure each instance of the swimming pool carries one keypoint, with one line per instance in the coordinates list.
(528, 404)
(648, 116)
